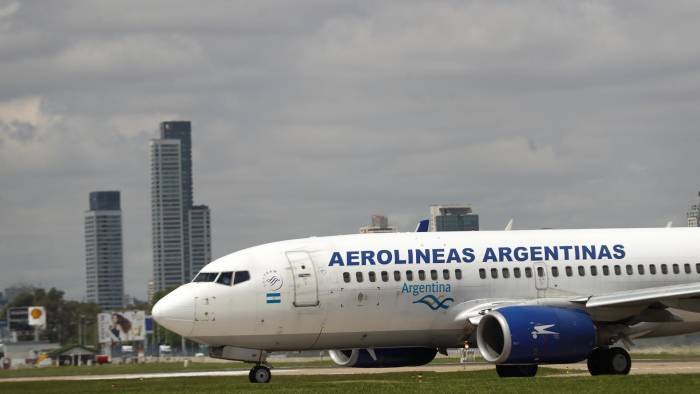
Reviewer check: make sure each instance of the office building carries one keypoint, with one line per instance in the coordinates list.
(103, 250)
(453, 217)
(380, 224)
(694, 214)
(171, 203)
(200, 237)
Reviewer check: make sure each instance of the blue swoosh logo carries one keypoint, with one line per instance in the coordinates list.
(433, 302)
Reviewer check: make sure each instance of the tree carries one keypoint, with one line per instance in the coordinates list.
(65, 320)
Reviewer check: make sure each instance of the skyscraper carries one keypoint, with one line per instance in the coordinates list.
(200, 237)
(453, 217)
(104, 249)
(171, 203)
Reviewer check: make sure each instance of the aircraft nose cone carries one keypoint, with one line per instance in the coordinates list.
(175, 311)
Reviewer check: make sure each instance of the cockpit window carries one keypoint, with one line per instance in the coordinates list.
(225, 278)
(205, 277)
(241, 276)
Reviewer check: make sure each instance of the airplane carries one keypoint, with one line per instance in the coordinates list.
(523, 297)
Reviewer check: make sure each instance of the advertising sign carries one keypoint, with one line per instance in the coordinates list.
(36, 316)
(117, 327)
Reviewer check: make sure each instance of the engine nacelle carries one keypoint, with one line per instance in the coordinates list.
(535, 335)
(386, 357)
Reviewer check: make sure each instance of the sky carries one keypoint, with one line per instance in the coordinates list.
(310, 116)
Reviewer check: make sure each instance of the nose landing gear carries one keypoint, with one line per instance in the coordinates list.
(259, 374)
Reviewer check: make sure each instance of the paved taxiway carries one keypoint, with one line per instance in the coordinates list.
(639, 367)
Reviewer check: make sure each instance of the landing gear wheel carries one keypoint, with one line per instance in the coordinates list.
(516, 371)
(619, 361)
(259, 374)
(609, 361)
(596, 362)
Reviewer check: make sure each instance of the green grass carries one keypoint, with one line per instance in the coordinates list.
(459, 382)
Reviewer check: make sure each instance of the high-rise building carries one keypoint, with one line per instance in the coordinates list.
(171, 203)
(693, 214)
(380, 224)
(200, 237)
(103, 250)
(453, 217)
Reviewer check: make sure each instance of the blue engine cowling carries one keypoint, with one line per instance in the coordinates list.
(385, 357)
(535, 335)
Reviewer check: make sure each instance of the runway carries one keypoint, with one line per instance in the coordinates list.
(639, 367)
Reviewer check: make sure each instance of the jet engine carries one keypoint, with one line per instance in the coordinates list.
(535, 335)
(383, 357)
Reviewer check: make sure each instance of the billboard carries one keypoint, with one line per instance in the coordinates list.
(116, 327)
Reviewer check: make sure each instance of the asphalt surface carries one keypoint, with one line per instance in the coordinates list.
(639, 367)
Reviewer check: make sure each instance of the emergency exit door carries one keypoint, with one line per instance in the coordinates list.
(305, 281)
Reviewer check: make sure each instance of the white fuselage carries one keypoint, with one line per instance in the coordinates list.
(306, 293)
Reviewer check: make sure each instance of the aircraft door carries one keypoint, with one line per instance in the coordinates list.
(305, 281)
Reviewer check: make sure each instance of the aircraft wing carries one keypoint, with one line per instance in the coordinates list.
(606, 307)
(668, 295)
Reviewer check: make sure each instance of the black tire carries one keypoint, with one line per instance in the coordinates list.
(618, 361)
(516, 371)
(597, 364)
(260, 374)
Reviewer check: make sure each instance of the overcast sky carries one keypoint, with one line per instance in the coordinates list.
(308, 117)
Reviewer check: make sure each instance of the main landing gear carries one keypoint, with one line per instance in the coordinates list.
(516, 371)
(609, 361)
(259, 374)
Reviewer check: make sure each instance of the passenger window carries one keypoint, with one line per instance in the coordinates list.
(687, 268)
(697, 268)
(606, 270)
(446, 274)
(458, 274)
(421, 274)
(346, 277)
(676, 269)
(594, 270)
(569, 271)
(397, 276)
(494, 273)
(640, 269)
(358, 277)
(433, 274)
(528, 272)
(664, 269)
(618, 270)
(516, 272)
(555, 271)
(581, 271)
(409, 276)
(240, 277)
(506, 273)
(540, 272)
(225, 278)
(482, 273)
(205, 277)
(652, 269)
(372, 276)
(385, 276)
(629, 269)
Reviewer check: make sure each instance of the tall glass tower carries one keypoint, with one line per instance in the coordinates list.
(171, 206)
(104, 249)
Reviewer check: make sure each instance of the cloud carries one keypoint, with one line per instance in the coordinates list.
(310, 116)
